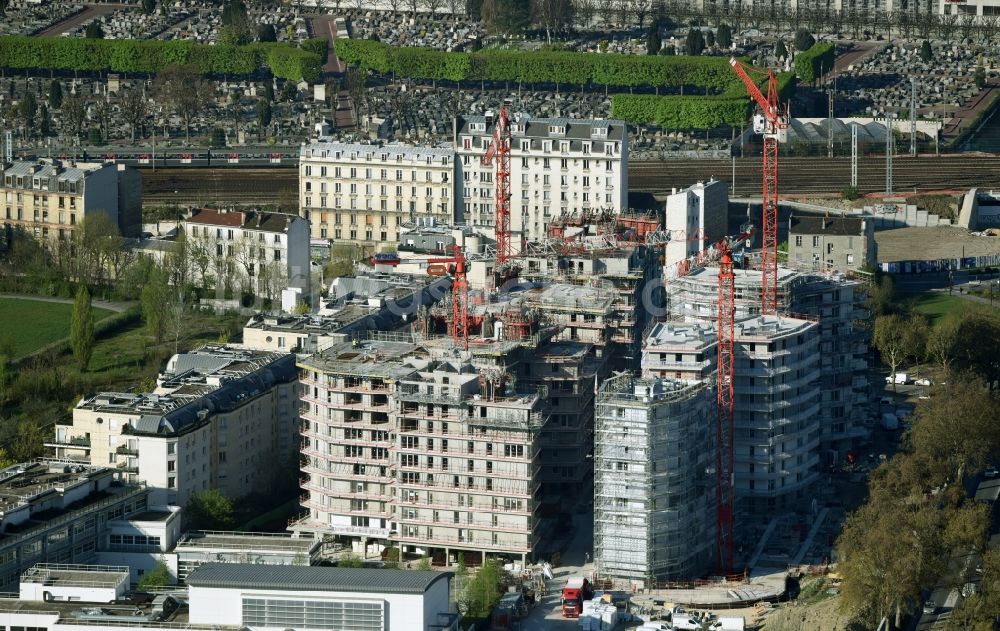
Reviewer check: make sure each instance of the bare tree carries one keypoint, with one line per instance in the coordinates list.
(433, 6)
(184, 91)
(414, 5)
(553, 15)
(640, 9)
(606, 9)
(134, 110)
(74, 112)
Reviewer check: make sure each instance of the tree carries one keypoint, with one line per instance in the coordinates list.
(724, 35)
(154, 299)
(941, 342)
(209, 510)
(925, 51)
(779, 50)
(263, 116)
(94, 137)
(915, 338)
(709, 39)
(44, 121)
(184, 91)
(803, 40)
(74, 112)
(55, 94)
(94, 30)
(27, 442)
(959, 428)
(159, 576)
(424, 563)
(977, 345)
(889, 338)
(980, 77)
(27, 109)
(81, 330)
(266, 33)
(882, 296)
(349, 559)
(552, 15)
(218, 137)
(695, 42)
(653, 42)
(507, 17)
(134, 110)
(149, 7)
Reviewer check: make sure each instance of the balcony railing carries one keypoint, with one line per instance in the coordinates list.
(75, 441)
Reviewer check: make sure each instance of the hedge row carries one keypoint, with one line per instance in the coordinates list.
(679, 112)
(816, 61)
(540, 67)
(691, 112)
(150, 56)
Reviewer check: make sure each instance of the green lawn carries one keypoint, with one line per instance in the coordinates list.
(938, 305)
(31, 324)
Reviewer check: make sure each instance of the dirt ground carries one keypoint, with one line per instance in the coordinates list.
(903, 244)
(824, 615)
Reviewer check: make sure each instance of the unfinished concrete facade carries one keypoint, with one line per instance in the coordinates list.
(654, 494)
(680, 350)
(414, 443)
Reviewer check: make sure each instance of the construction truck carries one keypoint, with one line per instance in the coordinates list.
(576, 591)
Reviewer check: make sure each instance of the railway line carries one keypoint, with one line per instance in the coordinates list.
(192, 184)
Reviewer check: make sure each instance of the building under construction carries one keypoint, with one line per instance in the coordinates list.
(654, 458)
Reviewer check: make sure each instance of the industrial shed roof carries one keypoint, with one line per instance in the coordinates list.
(314, 578)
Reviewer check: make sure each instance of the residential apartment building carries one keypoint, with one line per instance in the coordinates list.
(49, 198)
(837, 243)
(863, 7)
(838, 303)
(680, 350)
(220, 417)
(654, 481)
(558, 166)
(695, 217)
(364, 193)
(411, 444)
(263, 251)
(776, 411)
(54, 511)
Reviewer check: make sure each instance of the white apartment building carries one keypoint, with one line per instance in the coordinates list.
(219, 418)
(654, 481)
(696, 217)
(364, 193)
(48, 198)
(405, 449)
(558, 166)
(680, 350)
(264, 251)
(864, 7)
(777, 411)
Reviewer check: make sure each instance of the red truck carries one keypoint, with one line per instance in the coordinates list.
(577, 590)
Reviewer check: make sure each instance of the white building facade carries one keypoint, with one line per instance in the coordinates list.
(695, 217)
(558, 166)
(363, 193)
(266, 252)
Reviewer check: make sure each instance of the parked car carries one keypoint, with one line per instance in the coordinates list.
(930, 606)
(924, 382)
(991, 472)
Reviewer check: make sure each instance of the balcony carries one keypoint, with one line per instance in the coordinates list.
(73, 441)
(124, 450)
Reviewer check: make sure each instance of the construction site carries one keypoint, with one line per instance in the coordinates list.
(696, 398)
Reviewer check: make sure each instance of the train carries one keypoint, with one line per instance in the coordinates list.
(201, 157)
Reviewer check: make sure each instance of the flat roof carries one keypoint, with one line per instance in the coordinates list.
(314, 578)
(769, 327)
(76, 575)
(21, 482)
(692, 336)
(247, 541)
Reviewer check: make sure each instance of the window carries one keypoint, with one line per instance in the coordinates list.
(318, 614)
(798, 241)
(815, 242)
(171, 482)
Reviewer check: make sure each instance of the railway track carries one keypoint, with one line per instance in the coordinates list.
(798, 177)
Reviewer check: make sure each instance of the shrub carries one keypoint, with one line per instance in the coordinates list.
(850, 193)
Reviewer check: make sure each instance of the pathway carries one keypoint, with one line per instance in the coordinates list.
(856, 52)
(324, 26)
(117, 307)
(89, 13)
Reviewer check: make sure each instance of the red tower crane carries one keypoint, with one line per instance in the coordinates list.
(772, 122)
(724, 427)
(498, 154)
(459, 323)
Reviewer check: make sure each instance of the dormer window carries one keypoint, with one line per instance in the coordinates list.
(477, 126)
(600, 132)
(558, 130)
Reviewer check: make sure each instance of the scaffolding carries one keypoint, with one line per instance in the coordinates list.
(652, 447)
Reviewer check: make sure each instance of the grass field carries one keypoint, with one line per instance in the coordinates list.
(31, 324)
(938, 305)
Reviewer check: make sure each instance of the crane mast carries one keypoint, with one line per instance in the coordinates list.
(772, 122)
(724, 409)
(498, 154)
(459, 324)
